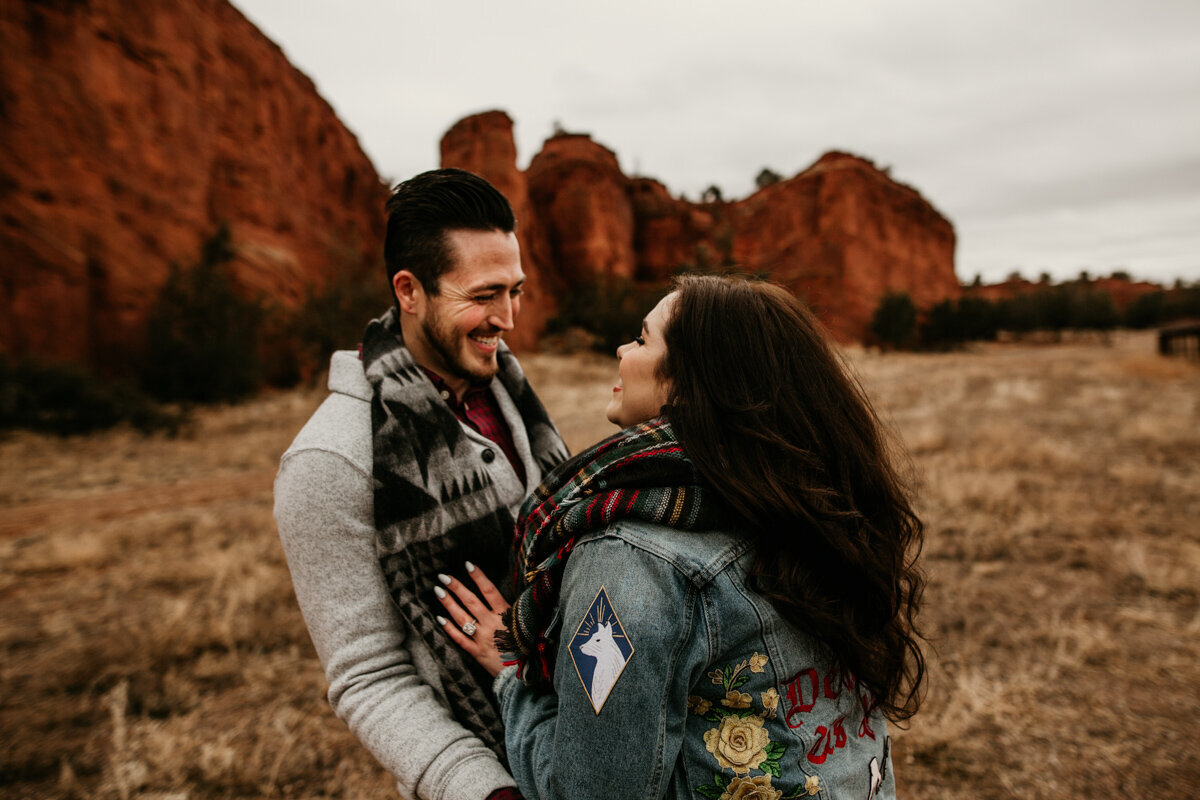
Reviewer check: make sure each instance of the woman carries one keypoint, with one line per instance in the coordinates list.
(719, 600)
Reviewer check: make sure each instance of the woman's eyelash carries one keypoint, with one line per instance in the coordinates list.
(640, 340)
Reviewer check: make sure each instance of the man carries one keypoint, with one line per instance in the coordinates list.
(414, 465)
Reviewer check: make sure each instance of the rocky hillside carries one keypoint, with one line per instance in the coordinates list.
(129, 132)
(841, 233)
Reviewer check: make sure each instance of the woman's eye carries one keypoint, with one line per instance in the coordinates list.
(640, 340)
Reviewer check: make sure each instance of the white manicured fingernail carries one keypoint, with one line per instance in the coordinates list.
(441, 621)
(440, 592)
(444, 578)
(470, 567)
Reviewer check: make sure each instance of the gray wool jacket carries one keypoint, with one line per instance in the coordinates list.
(383, 682)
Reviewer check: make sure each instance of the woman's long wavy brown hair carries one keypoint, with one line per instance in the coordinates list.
(774, 420)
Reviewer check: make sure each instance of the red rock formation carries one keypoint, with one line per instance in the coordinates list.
(842, 234)
(129, 132)
(483, 143)
(582, 201)
(670, 233)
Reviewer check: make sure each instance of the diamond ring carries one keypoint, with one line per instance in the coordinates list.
(469, 627)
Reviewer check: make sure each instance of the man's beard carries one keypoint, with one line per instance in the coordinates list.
(447, 344)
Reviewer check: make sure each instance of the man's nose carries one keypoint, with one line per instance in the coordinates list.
(504, 312)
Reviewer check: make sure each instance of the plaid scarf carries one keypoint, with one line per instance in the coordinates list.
(640, 473)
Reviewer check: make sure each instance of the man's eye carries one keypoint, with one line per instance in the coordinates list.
(516, 293)
(640, 340)
(484, 298)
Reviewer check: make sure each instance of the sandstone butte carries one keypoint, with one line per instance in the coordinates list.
(128, 133)
(841, 233)
(132, 131)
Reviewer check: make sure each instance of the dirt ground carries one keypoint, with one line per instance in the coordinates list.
(150, 645)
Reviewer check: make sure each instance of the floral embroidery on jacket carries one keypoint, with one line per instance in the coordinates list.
(759, 788)
(770, 701)
(741, 743)
(736, 699)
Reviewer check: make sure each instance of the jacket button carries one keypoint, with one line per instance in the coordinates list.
(489, 456)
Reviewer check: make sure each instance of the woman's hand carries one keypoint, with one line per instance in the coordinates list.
(470, 612)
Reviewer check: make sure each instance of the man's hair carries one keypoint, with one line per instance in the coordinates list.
(775, 421)
(423, 208)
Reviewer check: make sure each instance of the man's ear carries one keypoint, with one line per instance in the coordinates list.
(408, 291)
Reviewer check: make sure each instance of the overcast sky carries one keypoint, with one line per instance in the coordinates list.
(1057, 135)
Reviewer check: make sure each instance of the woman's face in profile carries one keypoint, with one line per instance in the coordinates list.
(639, 394)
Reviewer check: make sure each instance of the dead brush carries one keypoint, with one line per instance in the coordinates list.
(153, 649)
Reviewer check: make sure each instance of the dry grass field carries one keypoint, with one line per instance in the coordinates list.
(150, 646)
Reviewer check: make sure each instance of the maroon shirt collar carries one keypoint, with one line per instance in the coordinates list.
(447, 394)
(479, 411)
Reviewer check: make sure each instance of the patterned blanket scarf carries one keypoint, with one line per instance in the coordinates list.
(436, 504)
(640, 473)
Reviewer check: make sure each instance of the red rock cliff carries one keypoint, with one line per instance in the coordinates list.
(128, 132)
(582, 201)
(841, 233)
(483, 143)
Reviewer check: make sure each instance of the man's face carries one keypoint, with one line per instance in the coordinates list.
(457, 332)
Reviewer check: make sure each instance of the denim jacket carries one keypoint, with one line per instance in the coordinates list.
(673, 679)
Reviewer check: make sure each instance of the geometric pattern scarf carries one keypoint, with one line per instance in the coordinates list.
(436, 504)
(639, 473)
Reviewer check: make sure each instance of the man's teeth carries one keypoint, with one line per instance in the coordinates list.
(490, 341)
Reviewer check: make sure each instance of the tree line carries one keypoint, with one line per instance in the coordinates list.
(1078, 305)
(206, 342)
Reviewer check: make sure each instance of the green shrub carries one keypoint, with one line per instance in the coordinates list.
(979, 318)
(610, 308)
(1181, 302)
(943, 327)
(1145, 311)
(952, 323)
(66, 399)
(335, 316)
(202, 337)
(1093, 309)
(894, 323)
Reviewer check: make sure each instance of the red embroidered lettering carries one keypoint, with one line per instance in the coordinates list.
(864, 728)
(831, 691)
(795, 695)
(828, 741)
(821, 747)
